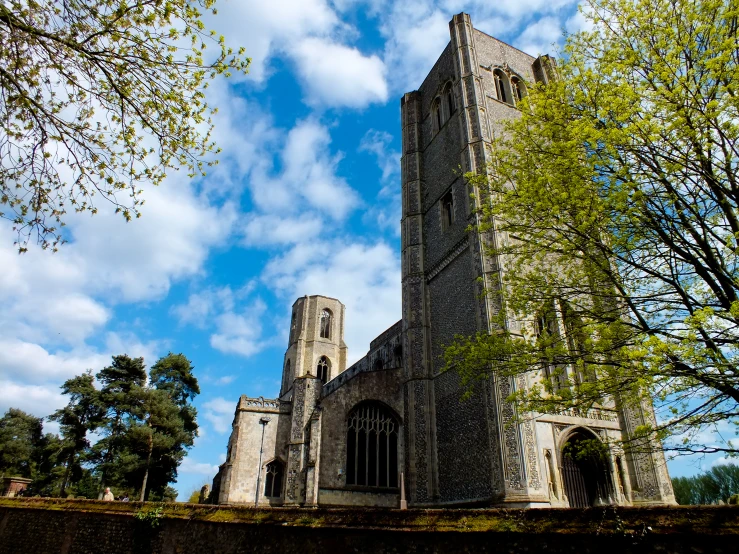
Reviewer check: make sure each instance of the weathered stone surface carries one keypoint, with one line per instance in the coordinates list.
(92, 527)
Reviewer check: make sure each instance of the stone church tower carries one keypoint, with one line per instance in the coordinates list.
(345, 436)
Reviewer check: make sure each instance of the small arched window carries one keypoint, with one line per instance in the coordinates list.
(436, 115)
(322, 369)
(273, 479)
(448, 101)
(547, 334)
(518, 89)
(326, 324)
(372, 446)
(501, 86)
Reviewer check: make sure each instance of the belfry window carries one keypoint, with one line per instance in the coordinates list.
(518, 89)
(447, 211)
(273, 479)
(501, 86)
(322, 369)
(372, 446)
(436, 115)
(326, 324)
(449, 101)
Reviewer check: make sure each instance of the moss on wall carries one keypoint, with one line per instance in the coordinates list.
(81, 526)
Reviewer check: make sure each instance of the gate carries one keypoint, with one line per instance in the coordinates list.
(587, 481)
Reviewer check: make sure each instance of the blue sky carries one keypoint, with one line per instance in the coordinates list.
(305, 200)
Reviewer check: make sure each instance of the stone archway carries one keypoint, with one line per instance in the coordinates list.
(585, 475)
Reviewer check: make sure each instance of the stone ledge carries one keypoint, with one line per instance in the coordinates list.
(606, 521)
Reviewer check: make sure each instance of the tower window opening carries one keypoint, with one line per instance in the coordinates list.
(518, 88)
(436, 114)
(449, 97)
(372, 447)
(273, 480)
(326, 324)
(322, 369)
(447, 211)
(501, 85)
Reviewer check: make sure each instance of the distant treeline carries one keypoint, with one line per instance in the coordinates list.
(714, 486)
(122, 429)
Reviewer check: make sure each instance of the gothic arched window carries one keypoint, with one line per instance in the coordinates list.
(372, 446)
(273, 479)
(518, 88)
(326, 324)
(447, 211)
(449, 101)
(322, 369)
(436, 115)
(501, 86)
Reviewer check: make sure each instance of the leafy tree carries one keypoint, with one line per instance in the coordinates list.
(83, 414)
(101, 97)
(20, 435)
(717, 484)
(119, 383)
(614, 200)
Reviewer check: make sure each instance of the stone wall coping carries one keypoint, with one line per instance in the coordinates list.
(603, 521)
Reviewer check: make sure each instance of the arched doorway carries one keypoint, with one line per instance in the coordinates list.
(587, 480)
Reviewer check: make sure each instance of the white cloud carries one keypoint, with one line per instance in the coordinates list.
(541, 36)
(189, 465)
(240, 333)
(266, 230)
(220, 413)
(387, 211)
(266, 28)
(38, 400)
(337, 75)
(308, 177)
(225, 380)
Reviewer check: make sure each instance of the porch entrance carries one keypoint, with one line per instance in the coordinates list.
(587, 480)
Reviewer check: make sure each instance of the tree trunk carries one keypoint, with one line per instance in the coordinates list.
(148, 461)
(70, 461)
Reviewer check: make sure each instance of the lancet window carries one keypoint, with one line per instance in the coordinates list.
(322, 369)
(326, 324)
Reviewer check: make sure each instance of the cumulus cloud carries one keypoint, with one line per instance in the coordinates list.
(541, 36)
(190, 466)
(308, 177)
(337, 75)
(268, 230)
(240, 333)
(220, 413)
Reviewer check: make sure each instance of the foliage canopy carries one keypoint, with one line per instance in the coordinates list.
(98, 97)
(613, 200)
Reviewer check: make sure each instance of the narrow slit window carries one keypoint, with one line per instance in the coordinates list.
(447, 211)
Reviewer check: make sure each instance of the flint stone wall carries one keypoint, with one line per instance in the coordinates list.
(84, 526)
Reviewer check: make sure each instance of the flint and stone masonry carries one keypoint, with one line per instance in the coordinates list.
(342, 436)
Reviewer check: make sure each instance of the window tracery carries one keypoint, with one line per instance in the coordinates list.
(273, 479)
(322, 369)
(326, 324)
(372, 446)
